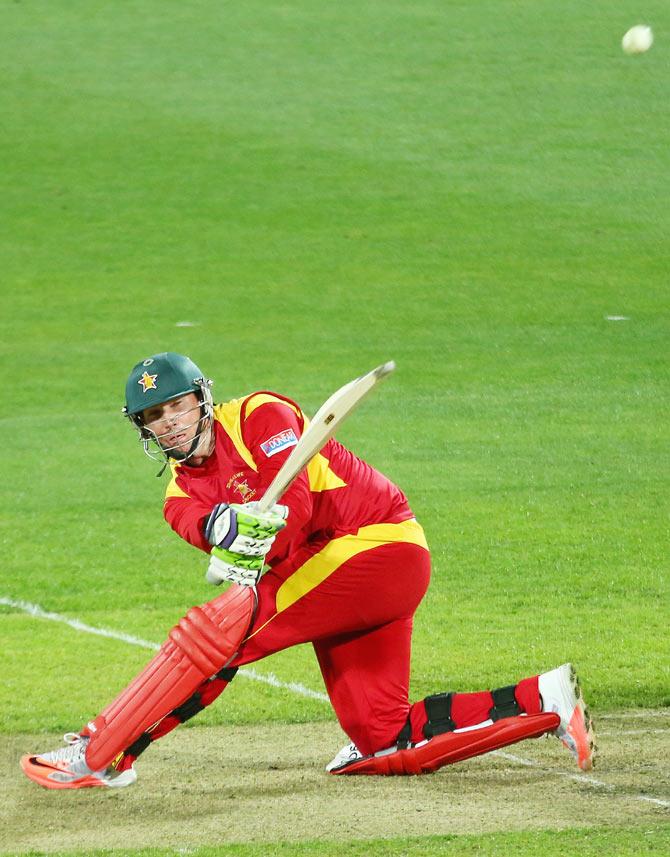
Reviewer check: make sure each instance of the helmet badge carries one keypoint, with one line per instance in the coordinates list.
(148, 382)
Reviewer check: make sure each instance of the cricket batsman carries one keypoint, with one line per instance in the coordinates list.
(341, 563)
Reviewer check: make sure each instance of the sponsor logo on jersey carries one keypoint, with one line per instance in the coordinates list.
(148, 382)
(282, 440)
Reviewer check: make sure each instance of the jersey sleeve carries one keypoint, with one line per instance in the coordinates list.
(270, 430)
(185, 515)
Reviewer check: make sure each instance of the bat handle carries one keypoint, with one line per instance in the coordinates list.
(267, 500)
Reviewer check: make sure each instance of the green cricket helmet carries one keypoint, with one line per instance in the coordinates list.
(159, 379)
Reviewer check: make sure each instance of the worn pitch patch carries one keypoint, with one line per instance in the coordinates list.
(204, 785)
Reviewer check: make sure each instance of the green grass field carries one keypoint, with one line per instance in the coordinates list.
(476, 190)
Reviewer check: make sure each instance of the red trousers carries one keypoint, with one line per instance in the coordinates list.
(353, 596)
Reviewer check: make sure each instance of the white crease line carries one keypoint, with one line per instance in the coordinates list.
(633, 732)
(580, 778)
(247, 672)
(638, 715)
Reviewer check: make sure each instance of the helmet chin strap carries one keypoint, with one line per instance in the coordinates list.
(183, 457)
(195, 443)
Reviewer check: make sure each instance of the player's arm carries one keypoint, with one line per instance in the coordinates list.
(187, 518)
(244, 538)
(240, 537)
(236, 538)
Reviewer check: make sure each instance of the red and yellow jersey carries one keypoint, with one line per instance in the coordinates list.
(337, 493)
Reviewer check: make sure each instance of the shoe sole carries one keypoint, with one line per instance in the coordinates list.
(580, 727)
(41, 774)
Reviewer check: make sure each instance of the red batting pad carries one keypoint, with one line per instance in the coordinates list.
(453, 747)
(201, 644)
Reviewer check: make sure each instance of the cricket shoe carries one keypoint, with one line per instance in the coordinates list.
(66, 768)
(561, 693)
(345, 757)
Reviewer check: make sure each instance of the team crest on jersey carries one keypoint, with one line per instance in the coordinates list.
(241, 486)
(282, 440)
(148, 382)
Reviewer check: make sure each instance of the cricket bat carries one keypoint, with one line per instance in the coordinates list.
(323, 426)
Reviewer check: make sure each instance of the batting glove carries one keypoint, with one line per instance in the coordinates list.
(244, 529)
(226, 565)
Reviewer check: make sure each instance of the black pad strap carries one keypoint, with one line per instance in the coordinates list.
(438, 709)
(184, 712)
(139, 746)
(189, 708)
(227, 673)
(504, 703)
(404, 736)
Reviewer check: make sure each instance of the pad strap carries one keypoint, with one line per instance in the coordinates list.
(438, 711)
(204, 696)
(504, 703)
(404, 738)
(195, 704)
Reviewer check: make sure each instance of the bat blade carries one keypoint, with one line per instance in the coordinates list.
(323, 426)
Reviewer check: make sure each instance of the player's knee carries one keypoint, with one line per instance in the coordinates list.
(371, 737)
(201, 640)
(210, 635)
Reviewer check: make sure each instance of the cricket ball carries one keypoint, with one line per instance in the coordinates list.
(638, 39)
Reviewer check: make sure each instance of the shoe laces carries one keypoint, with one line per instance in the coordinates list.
(72, 752)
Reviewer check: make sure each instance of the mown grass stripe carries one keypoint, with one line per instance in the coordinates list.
(248, 672)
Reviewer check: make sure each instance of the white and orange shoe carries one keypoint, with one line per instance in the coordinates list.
(66, 768)
(345, 757)
(561, 693)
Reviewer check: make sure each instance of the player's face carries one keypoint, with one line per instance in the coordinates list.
(174, 423)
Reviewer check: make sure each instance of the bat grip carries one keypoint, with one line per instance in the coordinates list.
(268, 500)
